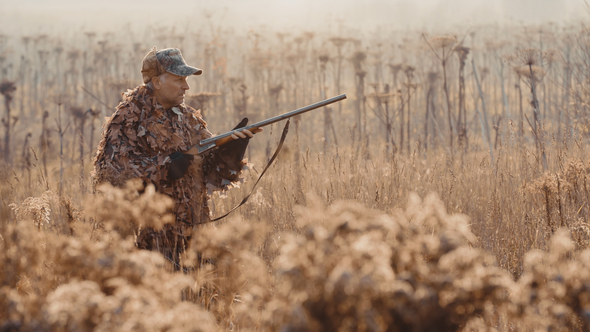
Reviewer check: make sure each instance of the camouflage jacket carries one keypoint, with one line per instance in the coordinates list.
(138, 140)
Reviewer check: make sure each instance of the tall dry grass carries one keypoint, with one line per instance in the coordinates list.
(436, 199)
(341, 266)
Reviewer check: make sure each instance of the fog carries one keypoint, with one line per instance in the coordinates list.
(34, 16)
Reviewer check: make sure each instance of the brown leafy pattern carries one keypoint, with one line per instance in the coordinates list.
(137, 142)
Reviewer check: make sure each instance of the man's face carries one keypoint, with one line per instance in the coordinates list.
(170, 89)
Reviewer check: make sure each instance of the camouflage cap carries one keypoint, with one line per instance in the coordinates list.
(168, 60)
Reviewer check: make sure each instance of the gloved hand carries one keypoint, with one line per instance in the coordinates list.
(179, 164)
(234, 151)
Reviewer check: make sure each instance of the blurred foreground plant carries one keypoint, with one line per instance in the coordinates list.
(355, 269)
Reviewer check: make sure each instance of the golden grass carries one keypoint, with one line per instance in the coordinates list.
(359, 235)
(359, 251)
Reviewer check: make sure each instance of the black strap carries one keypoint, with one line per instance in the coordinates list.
(274, 156)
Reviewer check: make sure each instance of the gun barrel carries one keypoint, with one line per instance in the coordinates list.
(277, 118)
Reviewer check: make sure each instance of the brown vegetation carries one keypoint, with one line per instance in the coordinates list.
(346, 232)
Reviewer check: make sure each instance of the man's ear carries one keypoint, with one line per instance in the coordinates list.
(156, 83)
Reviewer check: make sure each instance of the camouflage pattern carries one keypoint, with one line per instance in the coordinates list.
(137, 142)
(168, 60)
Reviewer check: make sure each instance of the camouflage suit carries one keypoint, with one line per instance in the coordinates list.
(138, 141)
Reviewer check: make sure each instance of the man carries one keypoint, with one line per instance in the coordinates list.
(146, 138)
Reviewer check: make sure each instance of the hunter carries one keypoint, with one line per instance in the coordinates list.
(145, 138)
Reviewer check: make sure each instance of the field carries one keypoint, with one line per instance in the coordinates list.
(450, 191)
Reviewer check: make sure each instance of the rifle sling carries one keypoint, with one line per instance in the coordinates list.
(274, 156)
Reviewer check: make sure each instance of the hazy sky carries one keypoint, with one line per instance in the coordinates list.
(44, 15)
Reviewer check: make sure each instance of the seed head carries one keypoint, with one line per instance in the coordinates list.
(409, 71)
(61, 98)
(338, 41)
(525, 71)
(395, 68)
(203, 96)
(357, 60)
(77, 112)
(432, 76)
(527, 57)
(275, 90)
(443, 41)
(73, 54)
(7, 88)
(462, 52)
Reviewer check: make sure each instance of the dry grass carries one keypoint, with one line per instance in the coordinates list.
(485, 232)
(361, 251)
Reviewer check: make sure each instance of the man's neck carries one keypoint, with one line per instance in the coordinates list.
(164, 105)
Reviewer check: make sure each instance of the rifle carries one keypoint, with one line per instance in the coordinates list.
(219, 140)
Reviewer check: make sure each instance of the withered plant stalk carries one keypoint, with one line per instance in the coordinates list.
(462, 53)
(44, 142)
(446, 45)
(61, 131)
(520, 110)
(484, 118)
(26, 157)
(409, 71)
(7, 88)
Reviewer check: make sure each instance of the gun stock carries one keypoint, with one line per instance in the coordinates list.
(224, 138)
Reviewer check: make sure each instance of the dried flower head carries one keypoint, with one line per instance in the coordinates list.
(525, 72)
(462, 52)
(580, 233)
(409, 71)
(61, 98)
(203, 96)
(395, 68)
(432, 77)
(73, 54)
(357, 60)
(77, 112)
(552, 55)
(338, 41)
(443, 41)
(7, 88)
(275, 89)
(548, 182)
(527, 57)
(35, 209)
(131, 207)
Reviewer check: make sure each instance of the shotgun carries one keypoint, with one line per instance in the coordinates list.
(219, 140)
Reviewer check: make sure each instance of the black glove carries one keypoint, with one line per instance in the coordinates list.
(179, 164)
(234, 151)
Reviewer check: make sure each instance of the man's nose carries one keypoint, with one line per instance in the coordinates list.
(185, 86)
